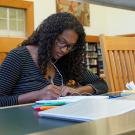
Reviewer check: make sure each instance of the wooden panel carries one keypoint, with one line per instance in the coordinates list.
(107, 68)
(118, 69)
(120, 43)
(2, 57)
(15, 3)
(92, 38)
(6, 44)
(124, 68)
(128, 64)
(114, 70)
(132, 60)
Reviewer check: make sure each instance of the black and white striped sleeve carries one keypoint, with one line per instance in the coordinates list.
(98, 84)
(9, 75)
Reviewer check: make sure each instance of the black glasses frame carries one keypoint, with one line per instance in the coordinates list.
(69, 47)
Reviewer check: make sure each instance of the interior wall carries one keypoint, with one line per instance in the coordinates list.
(120, 21)
(43, 8)
(103, 20)
(98, 19)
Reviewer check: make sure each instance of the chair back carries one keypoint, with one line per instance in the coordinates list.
(119, 60)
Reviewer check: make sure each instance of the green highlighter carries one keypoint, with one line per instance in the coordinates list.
(48, 104)
(53, 103)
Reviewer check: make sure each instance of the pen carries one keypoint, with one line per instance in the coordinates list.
(44, 108)
(51, 81)
(114, 96)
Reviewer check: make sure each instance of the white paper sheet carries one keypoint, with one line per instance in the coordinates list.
(71, 99)
(90, 109)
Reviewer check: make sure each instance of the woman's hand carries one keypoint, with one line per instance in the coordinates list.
(66, 91)
(85, 90)
(49, 92)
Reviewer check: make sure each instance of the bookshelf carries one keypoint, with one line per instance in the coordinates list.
(94, 60)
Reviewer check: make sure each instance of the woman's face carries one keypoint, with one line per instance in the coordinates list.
(65, 43)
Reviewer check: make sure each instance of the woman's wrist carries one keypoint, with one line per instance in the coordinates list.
(28, 97)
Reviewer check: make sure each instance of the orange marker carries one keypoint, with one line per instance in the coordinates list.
(44, 108)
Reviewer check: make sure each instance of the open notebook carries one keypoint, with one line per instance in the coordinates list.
(90, 109)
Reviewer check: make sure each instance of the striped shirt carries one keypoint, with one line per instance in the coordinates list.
(19, 74)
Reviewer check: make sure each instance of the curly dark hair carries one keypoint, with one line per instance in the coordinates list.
(70, 65)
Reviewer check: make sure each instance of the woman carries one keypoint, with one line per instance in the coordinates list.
(44, 63)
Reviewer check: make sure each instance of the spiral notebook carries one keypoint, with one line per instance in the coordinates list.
(90, 109)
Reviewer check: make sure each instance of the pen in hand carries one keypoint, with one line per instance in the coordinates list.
(51, 81)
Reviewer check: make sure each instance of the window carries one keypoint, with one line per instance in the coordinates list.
(16, 23)
(12, 22)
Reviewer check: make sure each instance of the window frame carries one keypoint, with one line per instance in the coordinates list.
(8, 43)
(8, 32)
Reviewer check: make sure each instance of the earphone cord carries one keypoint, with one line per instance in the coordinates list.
(58, 72)
(75, 93)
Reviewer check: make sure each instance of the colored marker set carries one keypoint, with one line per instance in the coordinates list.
(47, 105)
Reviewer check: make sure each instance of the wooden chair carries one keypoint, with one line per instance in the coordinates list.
(3, 52)
(119, 60)
(2, 56)
(7, 44)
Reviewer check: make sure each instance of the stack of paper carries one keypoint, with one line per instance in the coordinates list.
(90, 109)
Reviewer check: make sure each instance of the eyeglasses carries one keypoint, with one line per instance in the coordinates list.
(61, 44)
